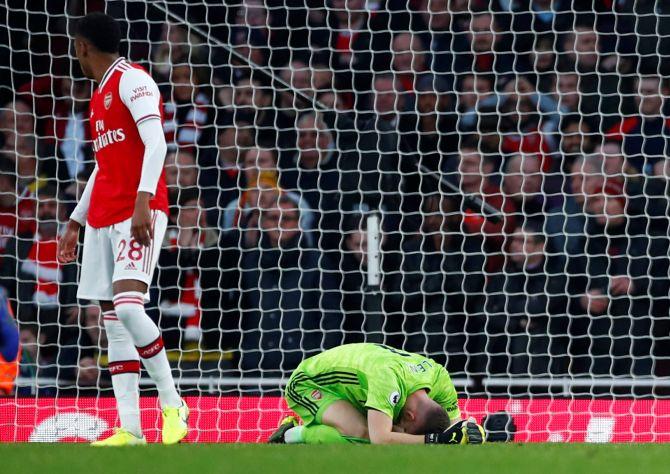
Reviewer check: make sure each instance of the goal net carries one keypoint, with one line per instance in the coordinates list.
(483, 182)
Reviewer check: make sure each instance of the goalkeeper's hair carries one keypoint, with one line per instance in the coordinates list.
(435, 420)
(101, 30)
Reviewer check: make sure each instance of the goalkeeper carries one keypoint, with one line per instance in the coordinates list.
(372, 393)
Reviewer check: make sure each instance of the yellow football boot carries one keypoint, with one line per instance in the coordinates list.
(175, 423)
(120, 437)
(284, 425)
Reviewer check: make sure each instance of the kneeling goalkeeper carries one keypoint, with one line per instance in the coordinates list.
(372, 393)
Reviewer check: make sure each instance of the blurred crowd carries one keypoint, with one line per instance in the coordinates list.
(552, 112)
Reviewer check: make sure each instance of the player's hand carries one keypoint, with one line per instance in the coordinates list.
(140, 224)
(461, 432)
(67, 243)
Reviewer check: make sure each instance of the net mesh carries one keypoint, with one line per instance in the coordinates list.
(482, 182)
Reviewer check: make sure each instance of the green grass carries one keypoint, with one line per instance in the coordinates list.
(228, 459)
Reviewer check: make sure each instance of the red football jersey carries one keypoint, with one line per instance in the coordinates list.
(125, 97)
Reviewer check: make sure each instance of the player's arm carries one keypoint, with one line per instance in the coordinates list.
(384, 392)
(67, 244)
(380, 430)
(444, 393)
(140, 95)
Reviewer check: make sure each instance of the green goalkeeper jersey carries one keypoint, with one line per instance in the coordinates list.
(379, 377)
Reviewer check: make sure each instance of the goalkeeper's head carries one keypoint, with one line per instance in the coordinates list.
(422, 415)
(96, 41)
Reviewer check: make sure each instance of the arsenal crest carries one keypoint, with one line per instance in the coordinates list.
(108, 100)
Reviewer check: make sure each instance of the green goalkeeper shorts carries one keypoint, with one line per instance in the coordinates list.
(307, 398)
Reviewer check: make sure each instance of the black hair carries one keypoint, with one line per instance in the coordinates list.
(572, 119)
(101, 30)
(7, 168)
(187, 195)
(436, 420)
(469, 141)
(535, 232)
(47, 191)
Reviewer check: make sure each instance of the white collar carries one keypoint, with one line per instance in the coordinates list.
(109, 71)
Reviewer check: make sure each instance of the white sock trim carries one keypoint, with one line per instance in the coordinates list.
(294, 435)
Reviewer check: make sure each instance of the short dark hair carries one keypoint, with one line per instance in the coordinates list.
(572, 119)
(534, 230)
(187, 195)
(436, 420)
(7, 166)
(101, 30)
(47, 191)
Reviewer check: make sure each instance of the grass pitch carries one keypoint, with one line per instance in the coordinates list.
(248, 459)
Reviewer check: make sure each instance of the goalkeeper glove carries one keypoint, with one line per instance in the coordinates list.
(462, 432)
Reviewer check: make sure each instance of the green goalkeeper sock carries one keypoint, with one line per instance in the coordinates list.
(318, 434)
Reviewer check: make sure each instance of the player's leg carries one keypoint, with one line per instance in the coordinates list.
(341, 423)
(133, 270)
(124, 366)
(326, 417)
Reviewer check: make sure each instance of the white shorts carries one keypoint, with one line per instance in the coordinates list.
(111, 254)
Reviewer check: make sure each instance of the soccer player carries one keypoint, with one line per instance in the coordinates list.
(124, 208)
(372, 393)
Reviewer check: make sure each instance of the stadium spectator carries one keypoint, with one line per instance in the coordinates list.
(79, 339)
(221, 165)
(387, 103)
(369, 151)
(475, 171)
(601, 101)
(253, 109)
(190, 298)
(576, 138)
(486, 52)
(16, 215)
(431, 278)
(181, 172)
(609, 286)
(174, 45)
(30, 176)
(645, 136)
(59, 126)
(427, 137)
(259, 173)
(186, 109)
(290, 303)
(440, 34)
(409, 60)
(526, 309)
(16, 119)
(429, 129)
(567, 92)
(72, 132)
(520, 122)
(39, 284)
(542, 62)
(474, 95)
(359, 44)
(312, 172)
(523, 183)
(567, 221)
(646, 196)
